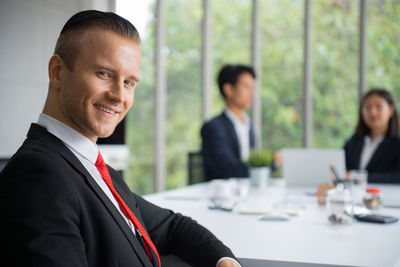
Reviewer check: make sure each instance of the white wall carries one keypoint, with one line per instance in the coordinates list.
(28, 32)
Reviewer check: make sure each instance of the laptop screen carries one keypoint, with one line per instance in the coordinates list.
(309, 167)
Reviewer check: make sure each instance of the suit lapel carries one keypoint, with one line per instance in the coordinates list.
(357, 152)
(39, 132)
(379, 153)
(252, 137)
(118, 218)
(232, 133)
(131, 202)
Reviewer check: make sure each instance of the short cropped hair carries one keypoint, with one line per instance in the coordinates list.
(393, 129)
(67, 46)
(230, 74)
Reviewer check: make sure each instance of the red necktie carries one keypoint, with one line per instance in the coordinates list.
(102, 168)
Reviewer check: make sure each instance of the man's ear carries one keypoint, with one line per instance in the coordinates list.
(56, 67)
(227, 89)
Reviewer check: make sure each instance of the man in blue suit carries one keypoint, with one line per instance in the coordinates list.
(227, 138)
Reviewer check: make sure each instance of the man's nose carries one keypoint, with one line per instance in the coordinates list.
(117, 91)
(374, 111)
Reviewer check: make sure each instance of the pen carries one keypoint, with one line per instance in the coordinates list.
(335, 174)
(219, 208)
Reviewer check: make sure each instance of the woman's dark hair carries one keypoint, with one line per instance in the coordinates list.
(393, 129)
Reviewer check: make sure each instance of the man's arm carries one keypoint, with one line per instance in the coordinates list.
(179, 235)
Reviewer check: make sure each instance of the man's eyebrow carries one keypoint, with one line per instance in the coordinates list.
(134, 77)
(99, 66)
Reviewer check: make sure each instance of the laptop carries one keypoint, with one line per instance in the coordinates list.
(309, 167)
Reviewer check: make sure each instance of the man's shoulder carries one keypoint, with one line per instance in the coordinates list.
(354, 139)
(394, 141)
(32, 157)
(39, 145)
(37, 157)
(216, 121)
(35, 171)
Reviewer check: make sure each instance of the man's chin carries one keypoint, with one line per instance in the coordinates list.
(104, 130)
(247, 107)
(104, 133)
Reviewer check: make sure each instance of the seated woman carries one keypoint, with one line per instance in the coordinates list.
(375, 146)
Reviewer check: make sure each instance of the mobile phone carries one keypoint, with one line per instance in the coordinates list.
(375, 218)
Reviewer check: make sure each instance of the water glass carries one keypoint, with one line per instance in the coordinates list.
(358, 179)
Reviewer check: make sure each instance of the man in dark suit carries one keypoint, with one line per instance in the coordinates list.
(60, 204)
(227, 138)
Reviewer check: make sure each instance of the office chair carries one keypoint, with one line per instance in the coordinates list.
(195, 168)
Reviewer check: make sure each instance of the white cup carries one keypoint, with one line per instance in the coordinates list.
(220, 189)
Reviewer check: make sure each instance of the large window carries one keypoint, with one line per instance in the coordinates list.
(183, 68)
(383, 41)
(231, 39)
(231, 43)
(282, 74)
(139, 133)
(335, 71)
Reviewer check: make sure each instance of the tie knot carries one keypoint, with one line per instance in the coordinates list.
(99, 161)
(102, 168)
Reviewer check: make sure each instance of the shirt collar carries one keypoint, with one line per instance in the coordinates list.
(235, 119)
(73, 139)
(367, 140)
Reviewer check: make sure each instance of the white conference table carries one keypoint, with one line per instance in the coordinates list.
(306, 238)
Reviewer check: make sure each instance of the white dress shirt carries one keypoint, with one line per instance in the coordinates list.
(242, 129)
(368, 150)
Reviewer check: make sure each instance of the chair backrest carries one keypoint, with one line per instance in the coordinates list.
(195, 168)
(309, 167)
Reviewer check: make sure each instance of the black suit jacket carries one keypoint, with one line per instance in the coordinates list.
(53, 213)
(384, 165)
(220, 149)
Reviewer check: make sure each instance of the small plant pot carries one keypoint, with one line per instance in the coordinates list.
(259, 176)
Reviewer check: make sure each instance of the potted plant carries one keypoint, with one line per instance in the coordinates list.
(259, 163)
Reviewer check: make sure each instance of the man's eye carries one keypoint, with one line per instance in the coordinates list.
(129, 83)
(103, 74)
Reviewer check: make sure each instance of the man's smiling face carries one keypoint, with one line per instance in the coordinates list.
(99, 90)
